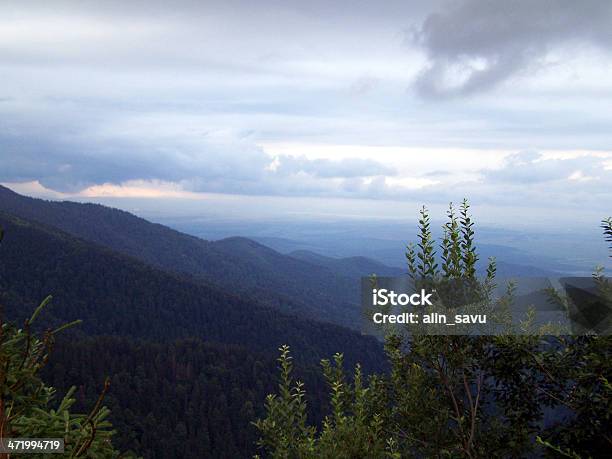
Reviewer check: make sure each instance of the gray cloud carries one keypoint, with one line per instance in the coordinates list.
(526, 180)
(475, 44)
(201, 162)
(184, 92)
(326, 168)
(67, 164)
(529, 168)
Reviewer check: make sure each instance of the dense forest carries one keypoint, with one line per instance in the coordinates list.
(175, 399)
(294, 284)
(117, 295)
(170, 344)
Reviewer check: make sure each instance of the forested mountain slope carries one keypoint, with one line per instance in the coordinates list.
(190, 364)
(240, 265)
(118, 295)
(176, 399)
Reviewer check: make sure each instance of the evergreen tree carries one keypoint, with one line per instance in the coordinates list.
(454, 396)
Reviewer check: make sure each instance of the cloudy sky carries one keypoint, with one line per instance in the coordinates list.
(327, 104)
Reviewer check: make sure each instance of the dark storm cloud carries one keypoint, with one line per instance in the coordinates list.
(477, 44)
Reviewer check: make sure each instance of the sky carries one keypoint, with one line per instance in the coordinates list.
(360, 108)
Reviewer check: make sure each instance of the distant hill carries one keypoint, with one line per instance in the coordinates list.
(239, 265)
(505, 269)
(355, 267)
(390, 254)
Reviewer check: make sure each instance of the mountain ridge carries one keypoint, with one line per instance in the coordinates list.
(119, 295)
(289, 284)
